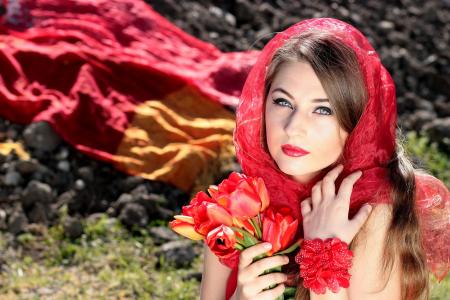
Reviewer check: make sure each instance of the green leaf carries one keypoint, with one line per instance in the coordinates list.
(249, 240)
(257, 228)
(290, 291)
(239, 247)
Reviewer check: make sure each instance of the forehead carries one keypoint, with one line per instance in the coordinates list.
(297, 78)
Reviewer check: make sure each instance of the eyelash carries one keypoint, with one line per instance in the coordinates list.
(279, 100)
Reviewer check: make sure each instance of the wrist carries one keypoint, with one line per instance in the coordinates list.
(325, 236)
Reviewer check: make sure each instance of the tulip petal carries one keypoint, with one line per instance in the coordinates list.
(185, 229)
(218, 214)
(183, 218)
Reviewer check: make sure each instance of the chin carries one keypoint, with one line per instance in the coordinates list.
(295, 169)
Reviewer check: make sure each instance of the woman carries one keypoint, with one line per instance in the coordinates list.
(320, 86)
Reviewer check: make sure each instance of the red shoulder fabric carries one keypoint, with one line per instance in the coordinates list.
(368, 147)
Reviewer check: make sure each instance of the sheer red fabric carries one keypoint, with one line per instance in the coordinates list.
(368, 147)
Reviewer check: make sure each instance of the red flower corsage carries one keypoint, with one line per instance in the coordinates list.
(324, 264)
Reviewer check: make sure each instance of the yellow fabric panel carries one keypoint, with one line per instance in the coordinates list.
(9, 146)
(181, 140)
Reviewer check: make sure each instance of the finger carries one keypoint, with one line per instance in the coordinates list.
(316, 194)
(247, 255)
(305, 206)
(346, 188)
(360, 218)
(263, 282)
(272, 293)
(328, 184)
(258, 267)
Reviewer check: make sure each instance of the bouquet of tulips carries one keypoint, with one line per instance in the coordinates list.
(236, 215)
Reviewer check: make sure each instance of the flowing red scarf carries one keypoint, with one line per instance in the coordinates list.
(369, 146)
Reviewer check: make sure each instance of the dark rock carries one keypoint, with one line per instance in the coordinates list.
(442, 106)
(133, 214)
(37, 192)
(121, 202)
(17, 222)
(79, 202)
(439, 129)
(86, 173)
(26, 167)
(178, 253)
(64, 166)
(421, 117)
(162, 234)
(38, 213)
(193, 275)
(73, 228)
(3, 216)
(127, 184)
(12, 178)
(79, 185)
(41, 136)
(164, 213)
(64, 198)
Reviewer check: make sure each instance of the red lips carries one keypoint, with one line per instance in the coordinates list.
(292, 150)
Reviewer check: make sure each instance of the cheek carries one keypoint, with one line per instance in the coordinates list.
(273, 130)
(330, 138)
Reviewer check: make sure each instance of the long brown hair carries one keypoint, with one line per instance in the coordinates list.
(337, 68)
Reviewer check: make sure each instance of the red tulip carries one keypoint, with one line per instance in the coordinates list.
(279, 228)
(206, 213)
(200, 197)
(222, 242)
(242, 196)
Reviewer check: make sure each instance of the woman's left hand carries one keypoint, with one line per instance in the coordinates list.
(325, 214)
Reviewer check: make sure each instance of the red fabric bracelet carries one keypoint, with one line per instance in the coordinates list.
(324, 263)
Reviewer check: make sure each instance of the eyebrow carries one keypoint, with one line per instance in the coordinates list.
(314, 100)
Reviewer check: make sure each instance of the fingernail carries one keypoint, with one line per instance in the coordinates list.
(268, 245)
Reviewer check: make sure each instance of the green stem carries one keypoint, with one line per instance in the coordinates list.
(256, 226)
(291, 248)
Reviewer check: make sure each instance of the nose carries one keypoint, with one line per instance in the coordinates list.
(297, 124)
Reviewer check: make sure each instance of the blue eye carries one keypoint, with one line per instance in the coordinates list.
(281, 100)
(324, 110)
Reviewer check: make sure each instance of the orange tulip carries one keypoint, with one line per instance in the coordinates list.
(185, 228)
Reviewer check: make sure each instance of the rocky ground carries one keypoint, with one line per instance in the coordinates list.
(412, 38)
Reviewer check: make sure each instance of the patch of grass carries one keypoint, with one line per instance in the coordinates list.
(106, 262)
(438, 163)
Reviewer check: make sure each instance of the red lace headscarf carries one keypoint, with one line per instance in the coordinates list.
(368, 147)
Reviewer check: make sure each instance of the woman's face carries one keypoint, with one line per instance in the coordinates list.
(298, 113)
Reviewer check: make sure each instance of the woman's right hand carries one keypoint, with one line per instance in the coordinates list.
(249, 284)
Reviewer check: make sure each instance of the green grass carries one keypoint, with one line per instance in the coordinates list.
(106, 262)
(438, 163)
